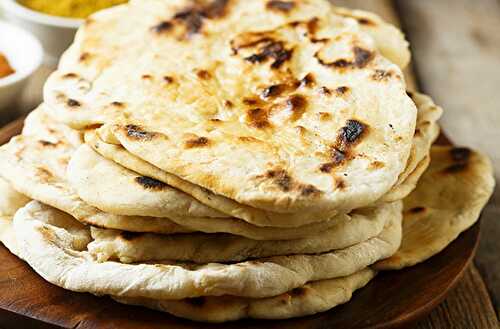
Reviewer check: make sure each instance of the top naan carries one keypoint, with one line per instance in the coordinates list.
(288, 108)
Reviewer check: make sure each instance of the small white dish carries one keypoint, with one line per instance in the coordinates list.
(25, 54)
(55, 33)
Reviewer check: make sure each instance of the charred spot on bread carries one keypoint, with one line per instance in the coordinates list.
(382, 75)
(460, 154)
(197, 142)
(297, 104)
(280, 5)
(308, 80)
(73, 103)
(163, 27)
(272, 50)
(417, 210)
(203, 74)
(138, 133)
(150, 183)
(362, 57)
(258, 118)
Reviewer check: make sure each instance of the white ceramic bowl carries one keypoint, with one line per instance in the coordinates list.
(55, 33)
(25, 54)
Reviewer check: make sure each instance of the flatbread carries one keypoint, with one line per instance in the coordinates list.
(116, 190)
(309, 299)
(37, 168)
(448, 200)
(207, 248)
(213, 125)
(48, 244)
(85, 173)
(314, 297)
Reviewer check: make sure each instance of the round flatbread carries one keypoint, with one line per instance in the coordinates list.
(207, 248)
(309, 299)
(448, 200)
(53, 248)
(289, 112)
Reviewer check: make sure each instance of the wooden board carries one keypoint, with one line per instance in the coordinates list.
(392, 299)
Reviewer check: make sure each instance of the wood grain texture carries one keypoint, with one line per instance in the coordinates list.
(466, 307)
(456, 45)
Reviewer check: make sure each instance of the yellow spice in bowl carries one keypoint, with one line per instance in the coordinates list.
(5, 68)
(70, 8)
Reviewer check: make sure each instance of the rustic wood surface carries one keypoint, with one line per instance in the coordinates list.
(456, 48)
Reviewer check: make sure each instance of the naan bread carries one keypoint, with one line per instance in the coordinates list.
(119, 191)
(448, 200)
(53, 250)
(237, 106)
(37, 168)
(312, 298)
(95, 179)
(207, 248)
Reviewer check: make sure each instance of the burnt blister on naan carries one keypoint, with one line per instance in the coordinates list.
(73, 103)
(460, 154)
(203, 74)
(308, 80)
(280, 5)
(416, 210)
(382, 75)
(274, 50)
(46, 143)
(266, 47)
(286, 183)
(273, 91)
(348, 137)
(150, 183)
(197, 142)
(461, 157)
(297, 105)
(193, 17)
(138, 133)
(118, 105)
(258, 118)
(362, 57)
(70, 76)
(163, 27)
(84, 57)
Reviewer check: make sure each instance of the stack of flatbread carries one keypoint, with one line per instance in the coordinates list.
(226, 159)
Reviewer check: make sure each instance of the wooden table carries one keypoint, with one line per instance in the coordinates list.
(456, 46)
